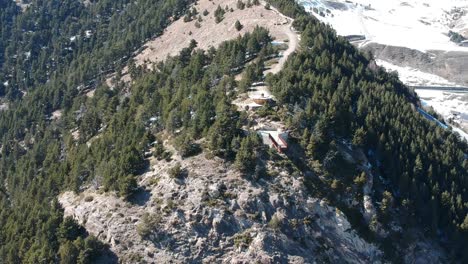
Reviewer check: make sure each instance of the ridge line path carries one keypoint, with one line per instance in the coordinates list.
(263, 91)
(245, 101)
(293, 38)
(207, 33)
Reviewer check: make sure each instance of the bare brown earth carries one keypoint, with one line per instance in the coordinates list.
(179, 34)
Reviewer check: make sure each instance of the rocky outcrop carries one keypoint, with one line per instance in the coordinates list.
(212, 214)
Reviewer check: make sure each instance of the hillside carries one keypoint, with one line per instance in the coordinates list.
(203, 28)
(421, 40)
(208, 33)
(215, 214)
(156, 132)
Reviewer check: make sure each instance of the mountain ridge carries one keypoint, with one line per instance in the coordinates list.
(333, 161)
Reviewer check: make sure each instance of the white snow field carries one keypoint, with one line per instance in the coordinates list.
(415, 77)
(417, 24)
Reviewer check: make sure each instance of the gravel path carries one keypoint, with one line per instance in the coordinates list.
(292, 45)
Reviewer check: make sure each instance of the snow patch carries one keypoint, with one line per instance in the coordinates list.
(452, 106)
(414, 77)
(461, 132)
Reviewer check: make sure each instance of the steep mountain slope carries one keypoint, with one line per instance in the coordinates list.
(43, 70)
(215, 214)
(225, 210)
(207, 32)
(165, 168)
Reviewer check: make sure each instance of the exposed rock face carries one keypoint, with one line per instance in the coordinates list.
(452, 65)
(214, 215)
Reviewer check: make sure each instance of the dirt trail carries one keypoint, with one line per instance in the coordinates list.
(207, 33)
(293, 41)
(245, 100)
(292, 45)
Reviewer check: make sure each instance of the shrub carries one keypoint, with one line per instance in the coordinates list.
(127, 185)
(360, 180)
(190, 149)
(176, 171)
(240, 5)
(159, 150)
(275, 222)
(148, 224)
(219, 14)
(186, 147)
(242, 240)
(187, 18)
(336, 184)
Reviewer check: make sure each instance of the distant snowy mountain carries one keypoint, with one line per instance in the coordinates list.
(425, 41)
(416, 24)
(418, 36)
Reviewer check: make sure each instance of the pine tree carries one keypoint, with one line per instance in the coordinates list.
(240, 5)
(464, 225)
(386, 205)
(127, 185)
(68, 253)
(238, 25)
(359, 138)
(219, 14)
(246, 157)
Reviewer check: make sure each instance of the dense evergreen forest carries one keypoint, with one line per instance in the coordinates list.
(41, 157)
(327, 92)
(48, 54)
(333, 92)
(53, 39)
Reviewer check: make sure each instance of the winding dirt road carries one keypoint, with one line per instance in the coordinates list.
(292, 45)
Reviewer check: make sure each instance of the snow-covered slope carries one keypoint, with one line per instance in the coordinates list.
(417, 24)
(415, 77)
(451, 105)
